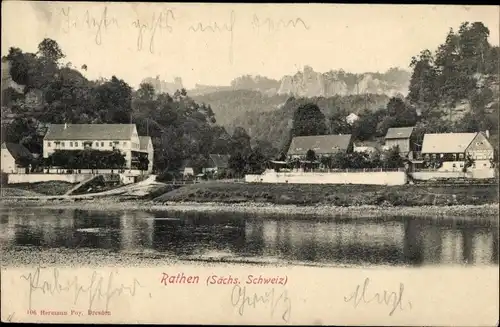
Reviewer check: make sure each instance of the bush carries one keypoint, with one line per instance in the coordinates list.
(165, 176)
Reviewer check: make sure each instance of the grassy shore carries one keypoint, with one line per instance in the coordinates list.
(34, 189)
(336, 195)
(295, 199)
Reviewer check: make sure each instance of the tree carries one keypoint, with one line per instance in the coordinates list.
(308, 120)
(310, 155)
(266, 149)
(358, 160)
(423, 82)
(237, 163)
(392, 158)
(240, 142)
(49, 49)
(366, 126)
(338, 124)
(340, 160)
(114, 101)
(256, 162)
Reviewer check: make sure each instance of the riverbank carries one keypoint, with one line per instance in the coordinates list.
(336, 195)
(488, 212)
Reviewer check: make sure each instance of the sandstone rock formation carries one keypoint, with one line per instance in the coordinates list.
(308, 83)
(162, 86)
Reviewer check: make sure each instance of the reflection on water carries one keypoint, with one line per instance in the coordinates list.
(397, 241)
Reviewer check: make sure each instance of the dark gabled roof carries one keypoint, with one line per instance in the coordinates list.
(17, 150)
(89, 132)
(399, 133)
(144, 141)
(320, 144)
(219, 160)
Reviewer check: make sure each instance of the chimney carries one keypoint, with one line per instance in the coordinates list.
(65, 125)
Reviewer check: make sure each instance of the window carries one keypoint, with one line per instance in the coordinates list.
(110, 143)
(454, 165)
(71, 144)
(461, 155)
(461, 165)
(62, 143)
(76, 143)
(49, 144)
(124, 143)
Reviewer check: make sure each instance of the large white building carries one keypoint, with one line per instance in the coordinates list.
(122, 137)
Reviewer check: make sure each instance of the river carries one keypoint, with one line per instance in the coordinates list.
(394, 241)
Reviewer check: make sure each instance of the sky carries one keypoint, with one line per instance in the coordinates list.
(211, 44)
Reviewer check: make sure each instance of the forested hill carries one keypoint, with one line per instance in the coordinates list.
(459, 82)
(452, 89)
(41, 91)
(274, 125)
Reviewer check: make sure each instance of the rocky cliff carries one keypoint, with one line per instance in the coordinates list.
(308, 83)
(162, 86)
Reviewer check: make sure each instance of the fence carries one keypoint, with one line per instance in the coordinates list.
(396, 177)
(347, 170)
(435, 174)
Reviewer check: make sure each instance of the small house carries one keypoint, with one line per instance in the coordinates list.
(322, 145)
(400, 137)
(186, 169)
(216, 163)
(16, 158)
(370, 147)
(452, 150)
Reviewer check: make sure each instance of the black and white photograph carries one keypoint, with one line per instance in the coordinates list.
(250, 163)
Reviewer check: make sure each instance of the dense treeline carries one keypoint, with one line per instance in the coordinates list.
(454, 90)
(49, 92)
(456, 87)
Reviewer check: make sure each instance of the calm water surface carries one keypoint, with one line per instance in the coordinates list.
(392, 241)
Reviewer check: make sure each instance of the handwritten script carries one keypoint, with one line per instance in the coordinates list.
(159, 21)
(150, 28)
(392, 299)
(98, 24)
(98, 287)
(241, 299)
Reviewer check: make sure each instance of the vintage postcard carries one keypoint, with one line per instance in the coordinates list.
(281, 164)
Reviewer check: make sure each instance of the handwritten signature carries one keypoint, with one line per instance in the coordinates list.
(395, 300)
(96, 288)
(240, 299)
(159, 21)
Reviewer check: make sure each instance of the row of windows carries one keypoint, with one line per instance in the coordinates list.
(434, 156)
(76, 144)
(473, 165)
